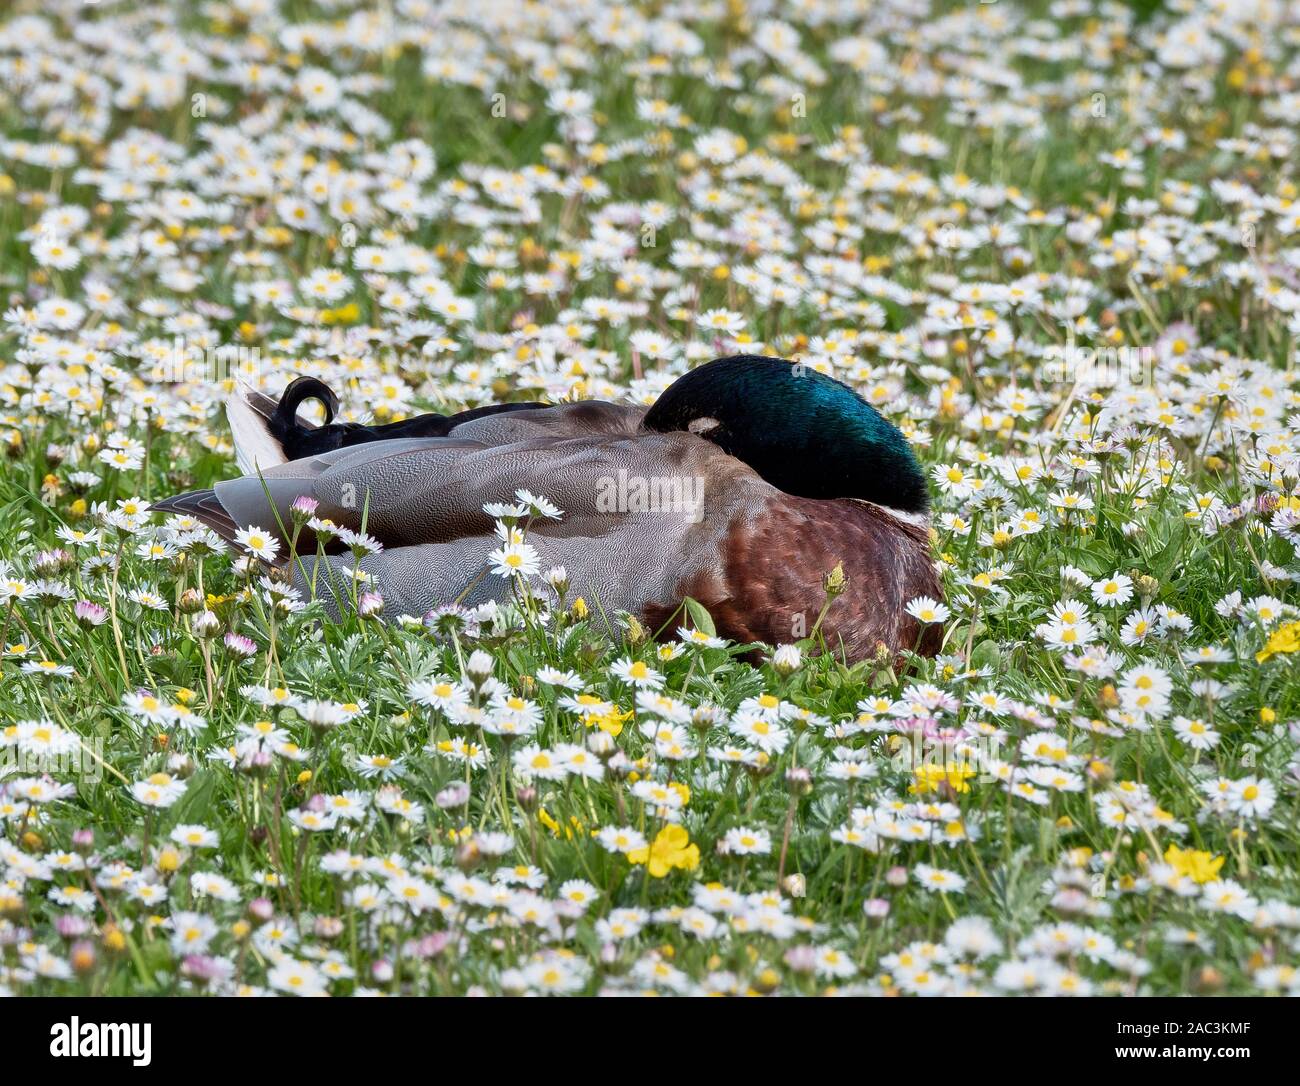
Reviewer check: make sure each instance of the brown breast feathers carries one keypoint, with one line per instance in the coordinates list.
(768, 585)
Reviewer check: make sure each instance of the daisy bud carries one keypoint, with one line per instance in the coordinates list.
(794, 885)
(260, 910)
(479, 666)
(896, 876)
(90, 615)
(48, 563)
(71, 926)
(454, 795)
(82, 958)
(428, 946)
(200, 969)
(786, 659)
(876, 908)
(370, 605)
(381, 971)
(1208, 979)
(705, 717)
(207, 625)
(798, 781)
(239, 645)
(558, 579)
(328, 927)
(526, 798)
(303, 509)
(801, 959)
(83, 840)
(55, 455)
(601, 744)
(609, 954)
(191, 602)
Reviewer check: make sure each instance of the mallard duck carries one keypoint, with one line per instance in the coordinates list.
(745, 484)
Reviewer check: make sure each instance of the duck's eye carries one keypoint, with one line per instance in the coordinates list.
(702, 425)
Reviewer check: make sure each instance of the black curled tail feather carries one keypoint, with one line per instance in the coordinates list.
(283, 423)
(299, 440)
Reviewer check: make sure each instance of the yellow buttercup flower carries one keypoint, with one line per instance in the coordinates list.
(611, 722)
(670, 849)
(344, 314)
(544, 817)
(1200, 867)
(1284, 640)
(930, 778)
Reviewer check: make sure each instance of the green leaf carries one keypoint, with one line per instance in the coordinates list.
(1091, 562)
(700, 617)
(987, 654)
(1163, 561)
(197, 801)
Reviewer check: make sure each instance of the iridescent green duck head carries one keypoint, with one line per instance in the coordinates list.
(804, 432)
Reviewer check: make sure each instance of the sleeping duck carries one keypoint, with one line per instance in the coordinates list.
(742, 487)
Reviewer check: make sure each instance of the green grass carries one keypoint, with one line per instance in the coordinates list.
(1190, 889)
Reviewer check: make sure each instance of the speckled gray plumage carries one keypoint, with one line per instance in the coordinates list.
(423, 498)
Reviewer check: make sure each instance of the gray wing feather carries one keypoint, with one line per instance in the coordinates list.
(423, 498)
(430, 490)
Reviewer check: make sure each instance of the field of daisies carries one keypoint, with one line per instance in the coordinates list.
(1058, 244)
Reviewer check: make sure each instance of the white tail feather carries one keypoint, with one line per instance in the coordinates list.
(255, 448)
